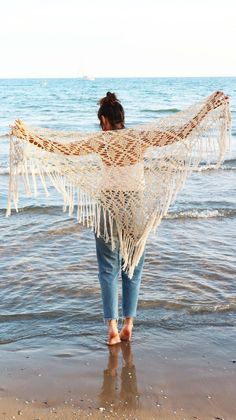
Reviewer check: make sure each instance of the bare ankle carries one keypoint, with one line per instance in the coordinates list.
(112, 323)
(129, 321)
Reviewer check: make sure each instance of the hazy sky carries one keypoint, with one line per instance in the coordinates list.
(70, 38)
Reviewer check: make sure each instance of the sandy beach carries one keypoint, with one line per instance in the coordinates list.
(173, 375)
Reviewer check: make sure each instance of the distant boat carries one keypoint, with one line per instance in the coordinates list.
(88, 77)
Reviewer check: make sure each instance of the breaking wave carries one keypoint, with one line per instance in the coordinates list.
(201, 214)
(185, 214)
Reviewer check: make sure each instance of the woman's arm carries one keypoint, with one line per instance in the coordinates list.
(163, 138)
(75, 148)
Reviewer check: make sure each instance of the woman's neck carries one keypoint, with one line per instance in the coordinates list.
(118, 126)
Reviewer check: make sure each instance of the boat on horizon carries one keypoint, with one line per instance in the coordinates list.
(88, 77)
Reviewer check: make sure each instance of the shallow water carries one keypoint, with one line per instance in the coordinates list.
(48, 269)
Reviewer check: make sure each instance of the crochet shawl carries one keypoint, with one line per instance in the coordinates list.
(120, 183)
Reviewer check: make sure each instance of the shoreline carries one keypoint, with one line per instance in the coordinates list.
(174, 374)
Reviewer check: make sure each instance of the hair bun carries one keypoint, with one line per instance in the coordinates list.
(111, 97)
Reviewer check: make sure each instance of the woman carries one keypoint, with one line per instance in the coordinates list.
(122, 154)
(112, 117)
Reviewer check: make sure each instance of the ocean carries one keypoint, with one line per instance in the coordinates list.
(48, 270)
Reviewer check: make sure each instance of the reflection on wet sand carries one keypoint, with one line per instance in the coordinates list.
(120, 391)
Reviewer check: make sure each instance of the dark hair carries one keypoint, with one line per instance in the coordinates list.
(112, 109)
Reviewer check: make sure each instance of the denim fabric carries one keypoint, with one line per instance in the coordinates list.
(109, 267)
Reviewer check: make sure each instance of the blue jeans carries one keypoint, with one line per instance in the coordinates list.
(109, 266)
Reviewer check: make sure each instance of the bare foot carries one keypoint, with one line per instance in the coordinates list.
(113, 334)
(126, 331)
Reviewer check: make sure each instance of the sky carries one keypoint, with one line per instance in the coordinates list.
(117, 38)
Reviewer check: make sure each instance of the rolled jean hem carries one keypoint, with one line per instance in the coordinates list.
(105, 319)
(129, 316)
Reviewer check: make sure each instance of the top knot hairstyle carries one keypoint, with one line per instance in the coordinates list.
(111, 108)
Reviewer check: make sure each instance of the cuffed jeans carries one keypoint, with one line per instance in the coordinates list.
(109, 266)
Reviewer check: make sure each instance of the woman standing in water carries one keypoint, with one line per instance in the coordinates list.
(112, 117)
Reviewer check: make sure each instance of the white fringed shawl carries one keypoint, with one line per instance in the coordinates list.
(128, 177)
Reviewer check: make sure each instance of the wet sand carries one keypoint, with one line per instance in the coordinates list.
(167, 375)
